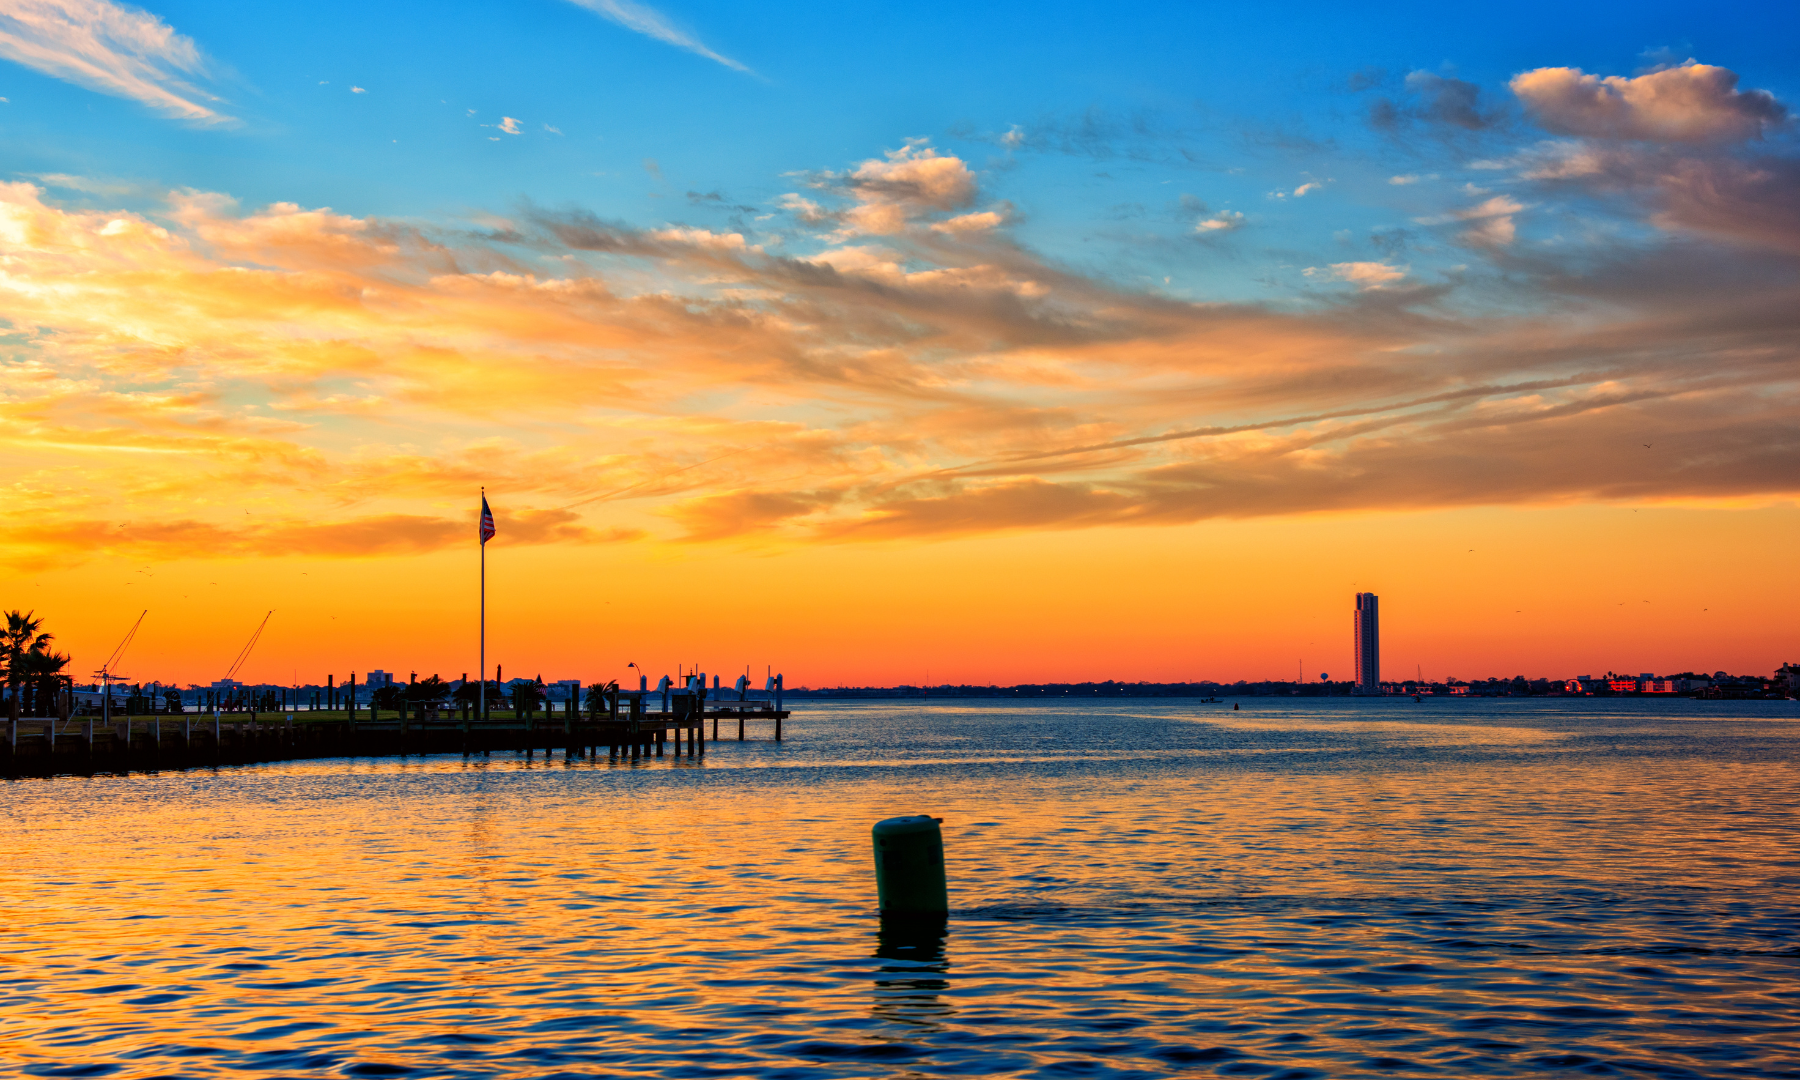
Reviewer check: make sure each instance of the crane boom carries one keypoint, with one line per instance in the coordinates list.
(251, 644)
(106, 669)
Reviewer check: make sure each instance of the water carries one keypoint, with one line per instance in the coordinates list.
(1308, 887)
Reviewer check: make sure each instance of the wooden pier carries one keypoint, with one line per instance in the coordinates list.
(89, 744)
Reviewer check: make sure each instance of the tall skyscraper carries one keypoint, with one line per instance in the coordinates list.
(1368, 644)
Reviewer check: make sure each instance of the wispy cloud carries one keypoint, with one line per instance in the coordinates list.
(123, 51)
(1366, 275)
(646, 20)
(1222, 222)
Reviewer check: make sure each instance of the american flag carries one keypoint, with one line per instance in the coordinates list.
(487, 521)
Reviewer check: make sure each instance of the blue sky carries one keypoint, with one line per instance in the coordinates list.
(1123, 109)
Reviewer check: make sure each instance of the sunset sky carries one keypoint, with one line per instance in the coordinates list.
(882, 344)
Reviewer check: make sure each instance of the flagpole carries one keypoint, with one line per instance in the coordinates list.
(481, 711)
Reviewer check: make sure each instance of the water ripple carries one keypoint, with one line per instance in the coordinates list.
(1299, 889)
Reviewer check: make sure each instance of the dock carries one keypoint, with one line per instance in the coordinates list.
(625, 732)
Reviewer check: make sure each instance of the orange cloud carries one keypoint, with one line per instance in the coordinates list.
(214, 369)
(1690, 103)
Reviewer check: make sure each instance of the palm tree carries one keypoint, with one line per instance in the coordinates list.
(21, 637)
(426, 693)
(527, 695)
(387, 697)
(596, 696)
(40, 673)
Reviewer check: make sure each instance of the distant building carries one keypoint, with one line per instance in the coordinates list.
(1368, 644)
(378, 678)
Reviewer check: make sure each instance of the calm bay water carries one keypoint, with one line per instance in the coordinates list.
(1302, 888)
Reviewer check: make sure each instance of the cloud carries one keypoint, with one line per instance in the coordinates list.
(891, 193)
(1545, 456)
(41, 546)
(1222, 222)
(1491, 221)
(1301, 191)
(646, 20)
(1368, 275)
(1713, 191)
(112, 48)
(1411, 178)
(910, 181)
(509, 124)
(1692, 103)
(1754, 203)
(357, 90)
(174, 366)
(971, 223)
(1449, 101)
(1440, 100)
(740, 513)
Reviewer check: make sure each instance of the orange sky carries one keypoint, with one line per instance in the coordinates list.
(1546, 592)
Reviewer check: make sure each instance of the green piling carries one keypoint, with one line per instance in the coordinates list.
(909, 867)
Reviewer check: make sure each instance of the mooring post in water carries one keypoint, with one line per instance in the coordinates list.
(909, 867)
